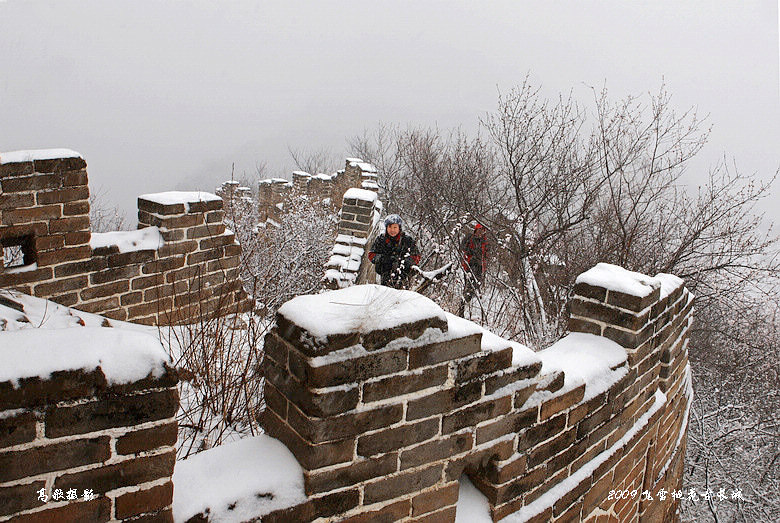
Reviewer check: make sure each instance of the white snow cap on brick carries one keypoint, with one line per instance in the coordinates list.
(124, 355)
(148, 238)
(585, 358)
(232, 481)
(174, 197)
(37, 154)
(360, 308)
(361, 194)
(669, 282)
(616, 278)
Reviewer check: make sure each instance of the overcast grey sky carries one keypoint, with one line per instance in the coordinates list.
(164, 95)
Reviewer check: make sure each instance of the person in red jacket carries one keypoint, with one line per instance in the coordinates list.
(393, 253)
(474, 251)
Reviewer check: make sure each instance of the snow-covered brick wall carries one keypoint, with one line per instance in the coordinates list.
(182, 263)
(323, 188)
(349, 263)
(386, 402)
(87, 421)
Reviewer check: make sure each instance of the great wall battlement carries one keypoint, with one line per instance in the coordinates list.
(384, 415)
(384, 400)
(182, 265)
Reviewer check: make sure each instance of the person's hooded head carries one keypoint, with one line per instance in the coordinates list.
(393, 224)
(480, 231)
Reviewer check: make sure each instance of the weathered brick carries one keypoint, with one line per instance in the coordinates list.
(64, 255)
(143, 501)
(316, 507)
(439, 352)
(77, 208)
(67, 194)
(35, 182)
(561, 402)
(77, 238)
(16, 429)
(309, 455)
(545, 430)
(318, 430)
(347, 371)
(123, 474)
(60, 286)
(590, 291)
(351, 474)
(16, 200)
(432, 500)
(315, 403)
(147, 439)
(97, 511)
(613, 316)
(33, 214)
(393, 512)
(443, 401)
(167, 264)
(59, 386)
(15, 169)
(110, 412)
(205, 231)
(470, 416)
(482, 363)
(436, 450)
(583, 325)
(634, 303)
(17, 464)
(20, 497)
(404, 483)
(101, 291)
(58, 165)
(545, 451)
(512, 375)
(397, 437)
(69, 224)
(400, 384)
(514, 422)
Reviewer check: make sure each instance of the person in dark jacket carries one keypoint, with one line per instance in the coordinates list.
(393, 253)
(474, 261)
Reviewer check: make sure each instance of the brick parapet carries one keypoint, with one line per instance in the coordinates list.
(387, 431)
(73, 432)
(192, 276)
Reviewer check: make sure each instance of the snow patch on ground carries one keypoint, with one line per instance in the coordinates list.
(616, 278)
(124, 356)
(360, 308)
(258, 475)
(37, 154)
(148, 238)
(473, 506)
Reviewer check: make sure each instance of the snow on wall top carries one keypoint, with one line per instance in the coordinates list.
(360, 308)
(123, 355)
(361, 194)
(174, 197)
(669, 282)
(585, 358)
(238, 475)
(37, 154)
(616, 278)
(354, 160)
(148, 238)
(302, 173)
(458, 327)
